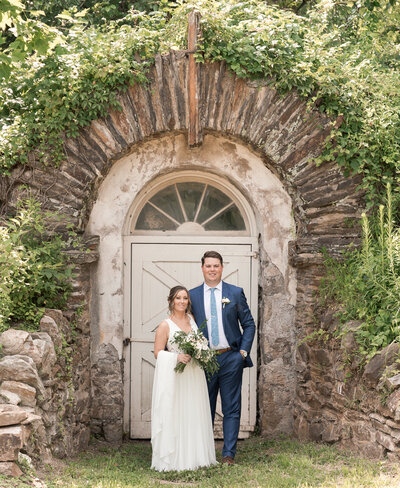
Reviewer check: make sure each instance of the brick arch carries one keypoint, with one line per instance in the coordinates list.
(280, 129)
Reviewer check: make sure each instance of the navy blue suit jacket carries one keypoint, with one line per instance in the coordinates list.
(233, 313)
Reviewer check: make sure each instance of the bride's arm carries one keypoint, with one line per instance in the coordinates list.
(161, 339)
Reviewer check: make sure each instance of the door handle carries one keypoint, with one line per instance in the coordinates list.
(128, 340)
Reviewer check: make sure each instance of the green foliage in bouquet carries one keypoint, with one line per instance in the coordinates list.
(196, 345)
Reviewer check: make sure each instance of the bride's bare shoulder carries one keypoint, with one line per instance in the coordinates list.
(163, 325)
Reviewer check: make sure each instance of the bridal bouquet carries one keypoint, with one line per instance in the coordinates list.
(195, 344)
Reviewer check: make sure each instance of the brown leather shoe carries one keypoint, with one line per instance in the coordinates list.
(228, 460)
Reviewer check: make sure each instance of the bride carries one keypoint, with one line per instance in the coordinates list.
(181, 427)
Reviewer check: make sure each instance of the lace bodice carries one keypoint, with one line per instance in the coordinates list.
(174, 328)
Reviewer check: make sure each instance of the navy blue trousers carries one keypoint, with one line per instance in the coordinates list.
(228, 381)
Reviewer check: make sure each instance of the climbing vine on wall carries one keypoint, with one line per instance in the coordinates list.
(344, 63)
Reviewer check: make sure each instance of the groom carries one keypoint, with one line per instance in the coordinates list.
(224, 306)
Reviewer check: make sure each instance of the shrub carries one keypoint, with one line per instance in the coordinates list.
(367, 282)
(34, 272)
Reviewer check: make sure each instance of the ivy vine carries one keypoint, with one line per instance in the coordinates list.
(346, 66)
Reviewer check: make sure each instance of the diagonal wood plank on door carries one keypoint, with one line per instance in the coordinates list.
(155, 267)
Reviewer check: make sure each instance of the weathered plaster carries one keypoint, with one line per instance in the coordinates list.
(135, 171)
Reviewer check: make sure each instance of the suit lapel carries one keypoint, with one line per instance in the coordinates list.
(198, 298)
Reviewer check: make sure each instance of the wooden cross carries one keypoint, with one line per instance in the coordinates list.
(195, 134)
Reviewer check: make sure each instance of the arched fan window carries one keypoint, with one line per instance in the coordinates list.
(189, 207)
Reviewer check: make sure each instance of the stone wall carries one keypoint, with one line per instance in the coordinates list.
(281, 130)
(44, 394)
(107, 392)
(340, 402)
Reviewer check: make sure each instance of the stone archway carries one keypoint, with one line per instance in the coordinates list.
(282, 133)
(221, 159)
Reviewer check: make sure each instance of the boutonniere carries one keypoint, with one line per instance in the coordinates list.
(225, 301)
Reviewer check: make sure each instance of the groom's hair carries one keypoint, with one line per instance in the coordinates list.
(212, 254)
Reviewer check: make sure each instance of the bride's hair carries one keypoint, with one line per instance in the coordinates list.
(171, 297)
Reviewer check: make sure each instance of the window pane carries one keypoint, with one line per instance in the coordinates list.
(214, 200)
(167, 200)
(190, 194)
(151, 219)
(228, 220)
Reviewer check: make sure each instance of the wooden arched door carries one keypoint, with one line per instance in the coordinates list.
(171, 230)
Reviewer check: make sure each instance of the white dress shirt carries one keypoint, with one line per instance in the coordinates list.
(223, 343)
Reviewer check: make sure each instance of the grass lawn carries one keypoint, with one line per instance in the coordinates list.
(260, 463)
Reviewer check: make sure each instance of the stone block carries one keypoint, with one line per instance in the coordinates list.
(393, 403)
(330, 319)
(377, 365)
(331, 433)
(107, 385)
(371, 450)
(45, 348)
(304, 351)
(11, 415)
(13, 341)
(394, 381)
(12, 439)
(377, 417)
(362, 432)
(322, 357)
(9, 397)
(26, 393)
(113, 432)
(32, 418)
(49, 325)
(393, 457)
(10, 469)
(25, 459)
(19, 342)
(349, 342)
(276, 411)
(62, 323)
(82, 401)
(23, 369)
(325, 389)
(316, 429)
(302, 429)
(386, 441)
(275, 373)
(393, 425)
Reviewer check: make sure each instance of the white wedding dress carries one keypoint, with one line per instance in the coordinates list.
(181, 428)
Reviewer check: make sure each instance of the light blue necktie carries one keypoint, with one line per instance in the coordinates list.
(214, 319)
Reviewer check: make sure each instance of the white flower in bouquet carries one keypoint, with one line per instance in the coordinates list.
(195, 344)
